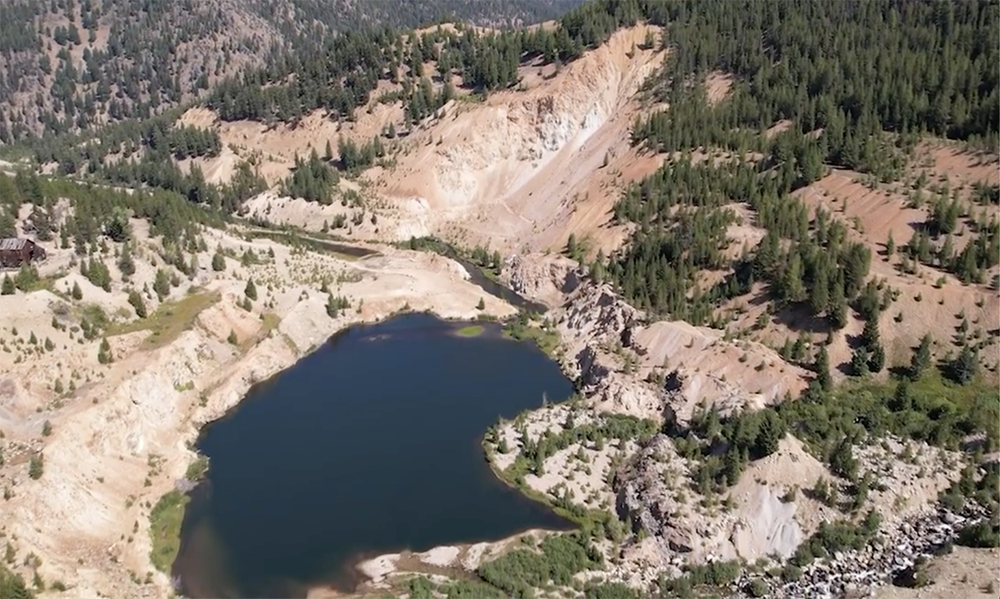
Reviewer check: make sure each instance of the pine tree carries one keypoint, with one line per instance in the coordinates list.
(218, 261)
(571, 248)
(251, 290)
(77, 292)
(7, 288)
(104, 355)
(921, 358)
(837, 308)
(964, 368)
(769, 435)
(822, 368)
(876, 362)
(125, 262)
(36, 466)
(870, 335)
(859, 362)
(161, 284)
(135, 299)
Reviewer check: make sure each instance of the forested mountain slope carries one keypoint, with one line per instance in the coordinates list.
(771, 229)
(67, 65)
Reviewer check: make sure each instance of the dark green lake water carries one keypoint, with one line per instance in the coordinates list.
(369, 445)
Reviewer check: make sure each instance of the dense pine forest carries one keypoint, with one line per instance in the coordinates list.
(858, 99)
(67, 65)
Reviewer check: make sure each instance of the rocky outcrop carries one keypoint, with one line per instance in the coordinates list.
(893, 554)
(545, 278)
(595, 324)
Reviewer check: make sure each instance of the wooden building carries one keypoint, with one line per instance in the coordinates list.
(15, 251)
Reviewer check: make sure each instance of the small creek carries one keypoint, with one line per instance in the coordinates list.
(369, 445)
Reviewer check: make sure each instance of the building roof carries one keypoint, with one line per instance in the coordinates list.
(13, 243)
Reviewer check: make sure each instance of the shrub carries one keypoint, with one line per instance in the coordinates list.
(36, 466)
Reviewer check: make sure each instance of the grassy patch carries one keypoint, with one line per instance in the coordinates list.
(170, 319)
(561, 557)
(524, 328)
(165, 529)
(269, 321)
(473, 330)
(197, 468)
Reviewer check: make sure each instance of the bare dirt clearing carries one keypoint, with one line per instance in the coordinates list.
(527, 168)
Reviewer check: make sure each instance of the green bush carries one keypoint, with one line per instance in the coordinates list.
(518, 572)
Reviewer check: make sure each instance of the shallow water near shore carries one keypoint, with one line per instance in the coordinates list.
(369, 445)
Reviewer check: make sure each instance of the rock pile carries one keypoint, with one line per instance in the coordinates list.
(859, 573)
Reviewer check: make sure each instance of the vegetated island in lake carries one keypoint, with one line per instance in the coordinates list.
(370, 445)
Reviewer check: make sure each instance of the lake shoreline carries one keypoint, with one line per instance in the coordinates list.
(371, 570)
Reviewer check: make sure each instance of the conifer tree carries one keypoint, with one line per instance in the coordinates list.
(921, 358)
(104, 355)
(822, 368)
(250, 291)
(218, 261)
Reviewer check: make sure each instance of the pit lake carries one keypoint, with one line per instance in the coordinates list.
(369, 445)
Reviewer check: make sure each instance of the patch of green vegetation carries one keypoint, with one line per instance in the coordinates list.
(700, 577)
(838, 536)
(931, 409)
(593, 522)
(420, 587)
(165, 529)
(518, 572)
(12, 585)
(294, 238)
(169, 320)
(489, 263)
(473, 330)
(983, 490)
(197, 468)
(524, 327)
(269, 321)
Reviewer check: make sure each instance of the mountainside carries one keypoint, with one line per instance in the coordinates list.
(71, 65)
(767, 234)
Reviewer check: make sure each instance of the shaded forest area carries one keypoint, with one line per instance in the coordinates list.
(70, 65)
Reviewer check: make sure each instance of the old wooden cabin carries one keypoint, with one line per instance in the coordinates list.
(15, 251)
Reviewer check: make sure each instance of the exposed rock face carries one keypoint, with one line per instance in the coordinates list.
(546, 278)
(592, 323)
(857, 573)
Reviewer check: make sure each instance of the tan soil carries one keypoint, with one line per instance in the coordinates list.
(87, 517)
(526, 168)
(962, 574)
(922, 307)
(717, 86)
